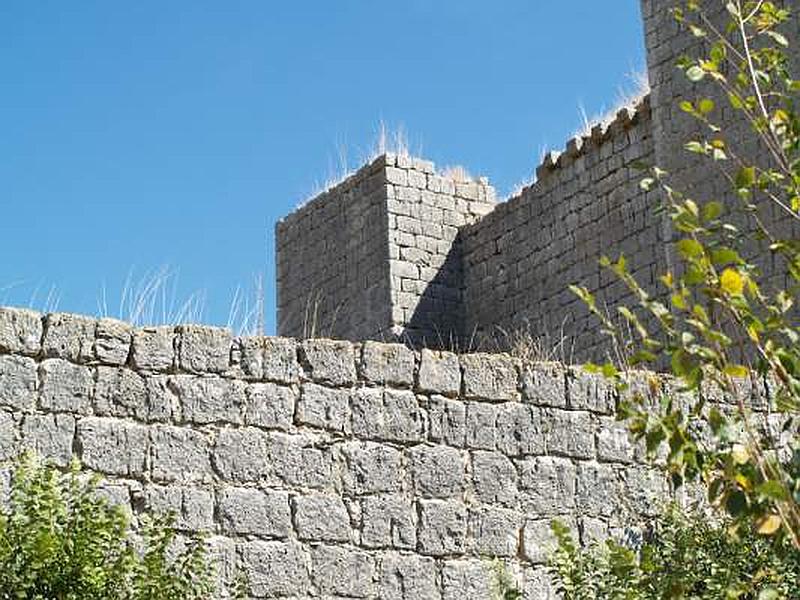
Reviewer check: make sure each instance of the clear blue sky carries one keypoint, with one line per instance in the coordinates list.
(140, 134)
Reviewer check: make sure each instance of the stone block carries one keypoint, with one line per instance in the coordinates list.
(193, 508)
(494, 478)
(70, 337)
(490, 377)
(590, 391)
(520, 429)
(203, 349)
(50, 436)
(248, 511)
(495, 531)
(544, 384)
(269, 405)
(210, 399)
(19, 382)
(20, 331)
(324, 407)
(547, 485)
(276, 568)
(387, 364)
(388, 521)
(387, 415)
(66, 387)
(280, 360)
(180, 454)
(112, 343)
(568, 433)
(9, 436)
(153, 348)
(645, 490)
(321, 518)
(539, 541)
(407, 577)
(243, 455)
(298, 462)
(481, 425)
(439, 373)
(371, 468)
(329, 361)
(343, 572)
(163, 403)
(438, 471)
(447, 421)
(442, 527)
(613, 441)
(467, 579)
(597, 491)
(120, 393)
(113, 446)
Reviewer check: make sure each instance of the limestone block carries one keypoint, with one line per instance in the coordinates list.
(447, 420)
(539, 541)
(269, 405)
(50, 436)
(193, 508)
(163, 403)
(324, 407)
(321, 518)
(113, 446)
(547, 484)
(112, 343)
(481, 425)
(250, 511)
(210, 399)
(590, 391)
(20, 331)
(343, 571)
(9, 436)
(645, 490)
(180, 454)
(407, 577)
(568, 433)
(389, 364)
(439, 373)
(494, 478)
(519, 429)
(153, 348)
(388, 521)
(69, 336)
(387, 415)
(298, 462)
(491, 377)
(495, 531)
(120, 393)
(203, 349)
(276, 568)
(243, 455)
(329, 361)
(462, 579)
(18, 382)
(613, 441)
(539, 585)
(371, 468)
(597, 490)
(280, 360)
(442, 527)
(66, 386)
(544, 384)
(438, 471)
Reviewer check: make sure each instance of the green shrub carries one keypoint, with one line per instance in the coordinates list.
(60, 540)
(684, 556)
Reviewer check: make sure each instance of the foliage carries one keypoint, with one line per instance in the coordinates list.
(60, 540)
(504, 588)
(721, 324)
(684, 556)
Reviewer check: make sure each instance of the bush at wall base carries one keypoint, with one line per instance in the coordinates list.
(683, 556)
(60, 540)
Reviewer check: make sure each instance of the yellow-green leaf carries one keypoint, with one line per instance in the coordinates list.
(769, 524)
(740, 454)
(731, 282)
(736, 371)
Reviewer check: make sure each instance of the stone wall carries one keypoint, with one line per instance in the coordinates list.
(327, 469)
(520, 260)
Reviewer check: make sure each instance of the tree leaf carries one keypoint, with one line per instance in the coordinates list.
(768, 524)
(731, 282)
